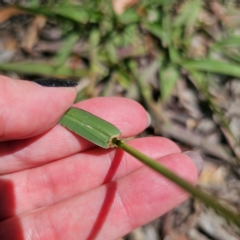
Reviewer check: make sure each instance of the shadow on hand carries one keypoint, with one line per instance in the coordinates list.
(111, 189)
(10, 227)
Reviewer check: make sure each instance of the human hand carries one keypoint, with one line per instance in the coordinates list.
(57, 185)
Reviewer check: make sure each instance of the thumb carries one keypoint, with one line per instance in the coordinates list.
(28, 109)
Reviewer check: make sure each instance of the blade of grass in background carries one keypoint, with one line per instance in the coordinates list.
(213, 67)
(43, 69)
(66, 49)
(233, 41)
(188, 14)
(75, 13)
(185, 21)
(155, 29)
(168, 80)
(129, 16)
(232, 56)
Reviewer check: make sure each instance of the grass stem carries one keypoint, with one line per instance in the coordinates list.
(207, 199)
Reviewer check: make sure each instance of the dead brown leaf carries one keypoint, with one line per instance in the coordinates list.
(6, 13)
(119, 6)
(32, 34)
(212, 174)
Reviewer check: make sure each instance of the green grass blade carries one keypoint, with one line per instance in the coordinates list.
(157, 3)
(38, 10)
(232, 56)
(75, 13)
(129, 16)
(189, 13)
(42, 69)
(227, 43)
(168, 80)
(66, 49)
(155, 29)
(213, 66)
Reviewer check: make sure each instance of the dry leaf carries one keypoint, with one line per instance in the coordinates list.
(6, 13)
(176, 236)
(198, 46)
(119, 6)
(31, 37)
(212, 174)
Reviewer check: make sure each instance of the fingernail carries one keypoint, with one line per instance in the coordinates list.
(55, 82)
(197, 159)
(149, 119)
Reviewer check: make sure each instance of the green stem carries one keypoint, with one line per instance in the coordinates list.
(197, 193)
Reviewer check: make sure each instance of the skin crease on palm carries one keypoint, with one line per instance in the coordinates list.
(56, 185)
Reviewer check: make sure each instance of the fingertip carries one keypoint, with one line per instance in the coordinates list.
(28, 109)
(60, 98)
(197, 160)
(149, 119)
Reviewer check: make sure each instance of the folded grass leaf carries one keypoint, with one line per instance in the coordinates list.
(90, 127)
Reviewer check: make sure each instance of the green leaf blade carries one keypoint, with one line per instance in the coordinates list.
(90, 127)
(213, 66)
(168, 80)
(66, 49)
(42, 69)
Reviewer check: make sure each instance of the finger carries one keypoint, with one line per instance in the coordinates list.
(129, 116)
(109, 211)
(27, 109)
(66, 178)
